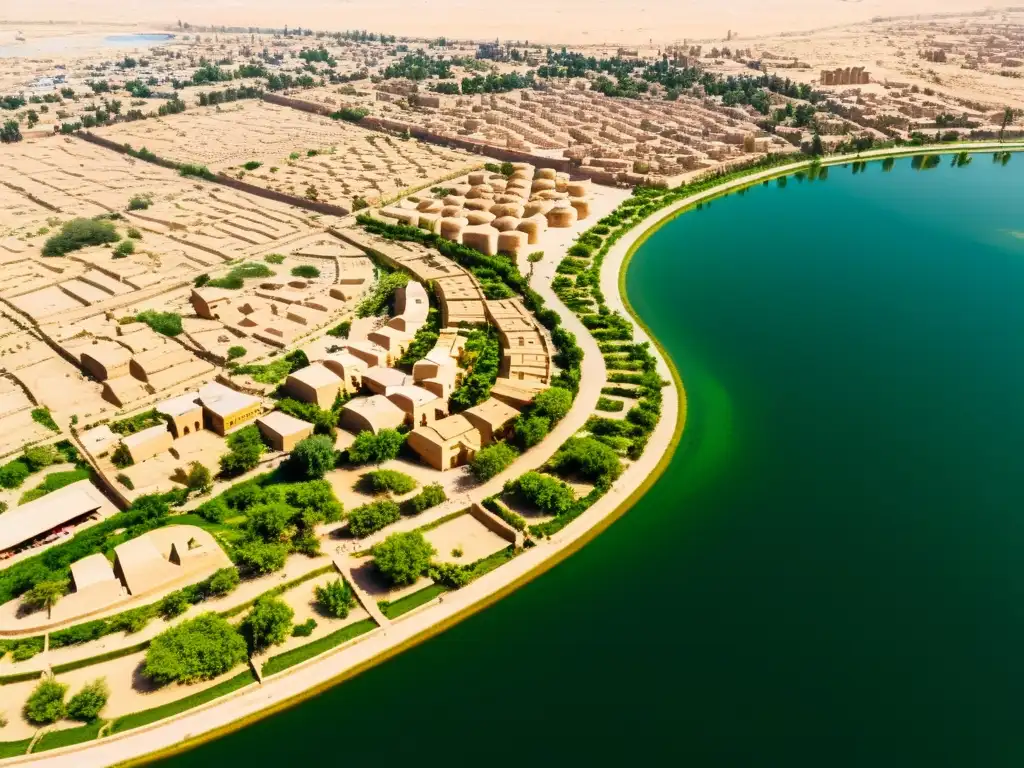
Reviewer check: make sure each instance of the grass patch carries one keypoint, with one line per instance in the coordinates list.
(283, 661)
(54, 482)
(73, 665)
(441, 521)
(21, 677)
(14, 748)
(42, 416)
(411, 602)
(68, 736)
(236, 278)
(147, 716)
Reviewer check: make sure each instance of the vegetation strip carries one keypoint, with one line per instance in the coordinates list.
(283, 661)
(147, 716)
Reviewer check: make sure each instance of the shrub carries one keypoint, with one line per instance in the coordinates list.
(261, 558)
(531, 430)
(87, 704)
(430, 496)
(121, 457)
(609, 404)
(589, 458)
(377, 302)
(336, 598)
(313, 457)
(388, 481)
(246, 449)
(305, 629)
(80, 233)
(370, 448)
(140, 203)
(174, 604)
(403, 557)
(492, 460)
(39, 456)
(268, 623)
(274, 258)
(372, 517)
(252, 165)
(199, 649)
(45, 704)
(134, 234)
(13, 474)
(545, 493)
(305, 270)
(553, 402)
(236, 352)
(341, 330)
(126, 248)
(199, 478)
(223, 581)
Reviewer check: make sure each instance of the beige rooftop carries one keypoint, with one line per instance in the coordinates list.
(30, 520)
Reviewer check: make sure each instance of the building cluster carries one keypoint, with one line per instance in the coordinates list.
(845, 76)
(497, 214)
(611, 140)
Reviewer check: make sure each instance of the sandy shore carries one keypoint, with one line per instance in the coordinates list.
(308, 679)
(567, 21)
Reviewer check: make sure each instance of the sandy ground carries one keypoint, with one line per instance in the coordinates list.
(570, 21)
(467, 534)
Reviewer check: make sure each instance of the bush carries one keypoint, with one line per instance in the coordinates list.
(531, 430)
(305, 629)
(199, 478)
(492, 460)
(336, 598)
(140, 203)
(223, 581)
(430, 496)
(589, 458)
(87, 704)
(134, 234)
(45, 704)
(80, 233)
(199, 649)
(174, 604)
(372, 517)
(403, 557)
(261, 558)
(547, 494)
(121, 456)
(305, 270)
(42, 416)
(246, 449)
(13, 474)
(126, 248)
(388, 481)
(553, 402)
(313, 457)
(370, 448)
(252, 165)
(39, 456)
(268, 623)
(274, 258)
(236, 352)
(378, 301)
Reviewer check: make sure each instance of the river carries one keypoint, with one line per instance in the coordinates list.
(831, 571)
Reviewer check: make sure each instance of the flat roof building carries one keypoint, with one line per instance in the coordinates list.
(67, 506)
(148, 443)
(226, 408)
(447, 443)
(421, 406)
(315, 384)
(492, 418)
(184, 414)
(371, 414)
(162, 557)
(348, 368)
(95, 587)
(282, 431)
(380, 380)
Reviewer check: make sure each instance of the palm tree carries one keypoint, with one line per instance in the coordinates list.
(46, 594)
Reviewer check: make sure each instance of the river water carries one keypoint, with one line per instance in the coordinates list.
(831, 571)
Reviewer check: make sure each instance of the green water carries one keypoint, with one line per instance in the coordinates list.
(831, 571)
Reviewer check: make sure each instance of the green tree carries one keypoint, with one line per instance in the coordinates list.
(545, 493)
(372, 517)
(588, 457)
(236, 352)
(260, 557)
(199, 649)
(268, 623)
(45, 704)
(492, 460)
(369, 448)
(45, 594)
(223, 581)
(387, 481)
(39, 456)
(313, 457)
(199, 478)
(403, 557)
(174, 604)
(87, 704)
(817, 148)
(246, 449)
(10, 132)
(531, 430)
(336, 598)
(553, 402)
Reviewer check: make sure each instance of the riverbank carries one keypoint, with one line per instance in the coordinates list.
(419, 626)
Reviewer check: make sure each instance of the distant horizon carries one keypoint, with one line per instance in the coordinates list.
(667, 22)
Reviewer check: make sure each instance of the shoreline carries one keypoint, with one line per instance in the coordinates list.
(351, 659)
